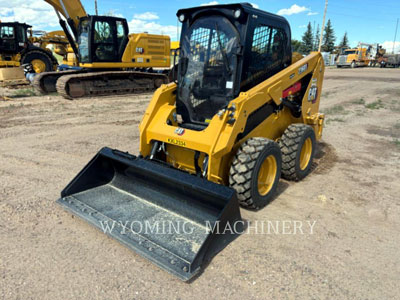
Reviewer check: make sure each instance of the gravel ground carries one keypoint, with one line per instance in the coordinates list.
(352, 196)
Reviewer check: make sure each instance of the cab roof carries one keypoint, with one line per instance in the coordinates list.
(15, 23)
(247, 8)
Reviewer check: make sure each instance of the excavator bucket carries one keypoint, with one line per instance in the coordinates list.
(176, 220)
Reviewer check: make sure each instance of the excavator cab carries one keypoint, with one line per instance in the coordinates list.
(13, 37)
(102, 39)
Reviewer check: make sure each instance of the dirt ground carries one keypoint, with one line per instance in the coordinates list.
(352, 195)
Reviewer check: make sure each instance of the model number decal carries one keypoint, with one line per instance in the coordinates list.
(303, 68)
(177, 142)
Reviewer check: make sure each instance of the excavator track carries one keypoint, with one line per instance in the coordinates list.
(108, 83)
(45, 82)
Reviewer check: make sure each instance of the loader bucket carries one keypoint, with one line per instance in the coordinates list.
(167, 216)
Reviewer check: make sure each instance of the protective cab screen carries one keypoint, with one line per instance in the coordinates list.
(207, 67)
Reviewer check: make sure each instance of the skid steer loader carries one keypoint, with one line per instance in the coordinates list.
(241, 114)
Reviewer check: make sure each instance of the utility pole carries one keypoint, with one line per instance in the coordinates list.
(95, 7)
(313, 37)
(323, 26)
(395, 35)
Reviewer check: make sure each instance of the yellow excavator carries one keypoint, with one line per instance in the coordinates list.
(109, 59)
(242, 113)
(19, 47)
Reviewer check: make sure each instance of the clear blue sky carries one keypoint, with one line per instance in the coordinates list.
(364, 20)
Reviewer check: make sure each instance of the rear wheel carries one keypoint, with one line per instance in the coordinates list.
(40, 61)
(298, 150)
(255, 172)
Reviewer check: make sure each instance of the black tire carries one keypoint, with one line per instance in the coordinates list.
(245, 171)
(38, 55)
(295, 164)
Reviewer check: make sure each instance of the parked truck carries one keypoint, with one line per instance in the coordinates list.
(389, 60)
(362, 56)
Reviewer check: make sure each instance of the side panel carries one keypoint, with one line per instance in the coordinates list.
(148, 50)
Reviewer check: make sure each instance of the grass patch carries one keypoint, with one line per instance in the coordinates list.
(23, 93)
(397, 126)
(396, 142)
(335, 110)
(375, 105)
(360, 101)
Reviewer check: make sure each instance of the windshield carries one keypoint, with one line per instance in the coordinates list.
(207, 67)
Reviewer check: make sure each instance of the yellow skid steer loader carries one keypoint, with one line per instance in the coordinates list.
(242, 114)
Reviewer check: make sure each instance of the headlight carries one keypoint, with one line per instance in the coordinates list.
(182, 18)
(237, 13)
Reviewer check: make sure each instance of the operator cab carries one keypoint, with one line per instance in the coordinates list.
(225, 50)
(13, 37)
(102, 39)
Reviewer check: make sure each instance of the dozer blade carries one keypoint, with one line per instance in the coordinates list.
(170, 217)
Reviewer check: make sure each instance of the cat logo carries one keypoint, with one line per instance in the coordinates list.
(313, 93)
(180, 131)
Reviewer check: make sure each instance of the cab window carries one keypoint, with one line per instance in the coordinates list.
(7, 32)
(21, 34)
(267, 49)
(104, 45)
(267, 54)
(83, 42)
(122, 37)
(103, 32)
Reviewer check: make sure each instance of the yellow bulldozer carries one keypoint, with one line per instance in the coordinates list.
(108, 60)
(241, 114)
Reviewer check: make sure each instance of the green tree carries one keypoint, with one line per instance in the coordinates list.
(296, 46)
(328, 43)
(307, 40)
(316, 39)
(345, 41)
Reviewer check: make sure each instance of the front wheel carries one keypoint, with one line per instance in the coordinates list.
(255, 172)
(40, 61)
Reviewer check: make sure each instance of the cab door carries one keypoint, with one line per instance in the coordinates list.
(105, 44)
(8, 41)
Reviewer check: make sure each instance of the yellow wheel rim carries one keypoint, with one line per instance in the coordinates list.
(267, 174)
(305, 154)
(38, 66)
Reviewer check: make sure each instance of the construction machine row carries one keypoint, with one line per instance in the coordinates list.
(100, 57)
